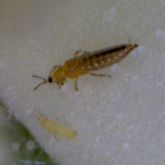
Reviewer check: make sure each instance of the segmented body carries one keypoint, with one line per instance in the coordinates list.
(91, 61)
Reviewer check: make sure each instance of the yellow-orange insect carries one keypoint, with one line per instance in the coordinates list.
(86, 62)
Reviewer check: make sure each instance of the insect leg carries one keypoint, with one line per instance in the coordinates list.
(77, 53)
(76, 84)
(100, 75)
(80, 52)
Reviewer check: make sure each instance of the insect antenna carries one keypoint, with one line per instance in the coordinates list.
(44, 81)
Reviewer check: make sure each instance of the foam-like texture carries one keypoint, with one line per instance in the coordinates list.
(118, 120)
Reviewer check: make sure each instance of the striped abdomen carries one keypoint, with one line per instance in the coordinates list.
(103, 58)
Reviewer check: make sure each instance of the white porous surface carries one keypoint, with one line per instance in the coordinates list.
(120, 120)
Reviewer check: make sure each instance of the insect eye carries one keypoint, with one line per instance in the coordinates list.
(50, 79)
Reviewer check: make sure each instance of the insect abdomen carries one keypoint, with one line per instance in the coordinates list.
(107, 57)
